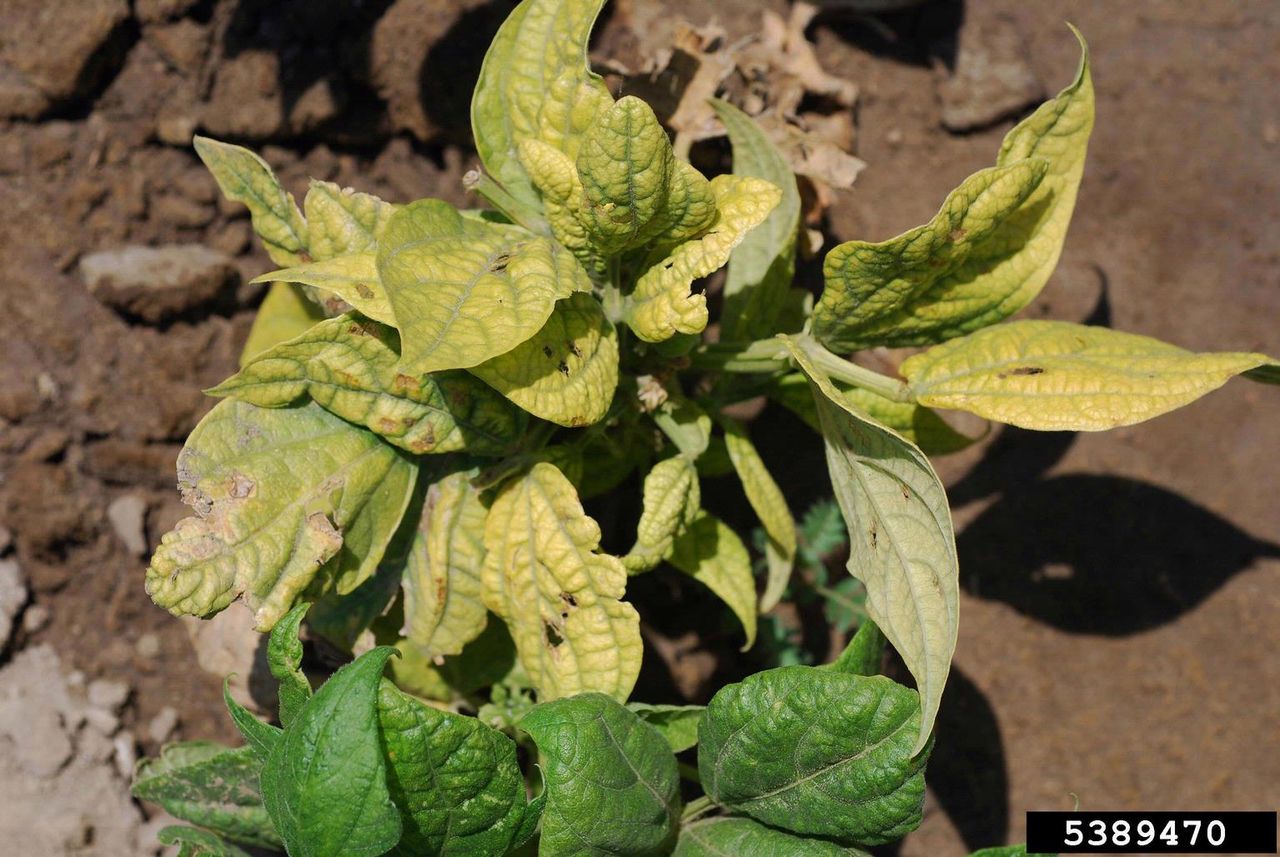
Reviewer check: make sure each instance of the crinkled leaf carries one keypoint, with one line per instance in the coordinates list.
(535, 84)
(210, 785)
(559, 597)
(611, 780)
(661, 305)
(625, 165)
(193, 842)
(464, 291)
(918, 424)
(866, 282)
(284, 657)
(556, 178)
(354, 279)
(285, 313)
(691, 207)
(349, 367)
(677, 723)
(672, 499)
(730, 836)
(244, 177)
(260, 736)
(763, 265)
(343, 221)
(278, 493)
(325, 782)
(901, 542)
(946, 281)
(442, 607)
(770, 506)
(709, 551)
(455, 780)
(1054, 375)
(567, 372)
(816, 752)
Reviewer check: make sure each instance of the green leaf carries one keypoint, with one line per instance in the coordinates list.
(442, 607)
(455, 780)
(285, 313)
(192, 842)
(986, 255)
(816, 752)
(770, 506)
(763, 265)
(559, 597)
(864, 653)
(535, 84)
(209, 785)
(261, 737)
(920, 425)
(672, 499)
(284, 657)
(343, 618)
(625, 166)
(677, 723)
(611, 780)
(349, 367)
(711, 553)
(567, 372)
(325, 781)
(901, 542)
(728, 836)
(661, 305)
(278, 494)
(1054, 375)
(354, 279)
(244, 177)
(464, 291)
(343, 221)
(1268, 374)
(1007, 851)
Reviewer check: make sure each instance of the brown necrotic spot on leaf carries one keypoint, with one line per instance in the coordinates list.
(1023, 370)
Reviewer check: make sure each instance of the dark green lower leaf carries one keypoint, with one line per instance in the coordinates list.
(455, 780)
(209, 785)
(325, 782)
(611, 780)
(816, 752)
(742, 837)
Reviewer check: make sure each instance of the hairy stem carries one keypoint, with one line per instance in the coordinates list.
(767, 355)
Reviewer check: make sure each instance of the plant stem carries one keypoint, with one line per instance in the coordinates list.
(497, 196)
(696, 808)
(689, 772)
(839, 369)
(766, 355)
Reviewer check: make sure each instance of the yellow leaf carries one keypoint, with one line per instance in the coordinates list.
(567, 372)
(672, 498)
(343, 221)
(1054, 375)
(661, 305)
(559, 597)
(284, 314)
(443, 610)
(770, 506)
(244, 177)
(352, 278)
(712, 554)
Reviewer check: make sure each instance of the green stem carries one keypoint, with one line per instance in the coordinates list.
(497, 196)
(764, 356)
(689, 772)
(696, 808)
(839, 369)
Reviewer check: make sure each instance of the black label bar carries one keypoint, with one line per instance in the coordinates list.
(1151, 832)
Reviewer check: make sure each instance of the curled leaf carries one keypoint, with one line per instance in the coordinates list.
(244, 177)
(558, 595)
(278, 494)
(672, 499)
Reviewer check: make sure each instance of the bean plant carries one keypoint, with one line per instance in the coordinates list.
(428, 395)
